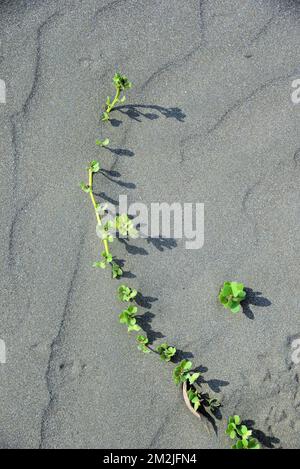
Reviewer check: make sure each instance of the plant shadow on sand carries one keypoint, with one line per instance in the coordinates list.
(253, 298)
(267, 441)
(161, 244)
(114, 176)
(119, 151)
(137, 112)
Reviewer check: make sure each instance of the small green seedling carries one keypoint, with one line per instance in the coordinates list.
(128, 317)
(195, 398)
(105, 232)
(166, 352)
(143, 341)
(231, 295)
(125, 226)
(181, 373)
(107, 259)
(237, 431)
(101, 209)
(102, 143)
(126, 293)
(116, 270)
(85, 187)
(94, 166)
(121, 83)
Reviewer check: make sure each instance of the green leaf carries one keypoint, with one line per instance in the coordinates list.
(116, 270)
(239, 444)
(226, 290)
(143, 348)
(107, 102)
(243, 430)
(142, 339)
(191, 394)
(123, 317)
(132, 309)
(126, 294)
(105, 116)
(236, 288)
(107, 257)
(223, 299)
(99, 264)
(102, 143)
(85, 187)
(94, 166)
(123, 99)
(253, 444)
(194, 377)
(166, 352)
(135, 327)
(237, 419)
(242, 295)
(196, 401)
(231, 426)
(234, 307)
(186, 365)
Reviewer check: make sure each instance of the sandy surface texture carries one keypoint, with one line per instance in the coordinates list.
(209, 119)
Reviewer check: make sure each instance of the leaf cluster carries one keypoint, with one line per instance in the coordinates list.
(239, 432)
(181, 373)
(231, 295)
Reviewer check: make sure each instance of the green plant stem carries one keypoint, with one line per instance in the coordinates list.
(115, 100)
(99, 221)
(152, 350)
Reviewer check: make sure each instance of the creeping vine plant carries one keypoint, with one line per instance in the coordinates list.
(239, 432)
(231, 294)
(121, 83)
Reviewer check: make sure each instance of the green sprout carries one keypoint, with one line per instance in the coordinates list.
(128, 317)
(102, 143)
(126, 293)
(94, 166)
(105, 232)
(125, 226)
(107, 259)
(195, 398)
(85, 187)
(143, 341)
(231, 295)
(181, 373)
(121, 83)
(101, 209)
(166, 352)
(116, 270)
(239, 432)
